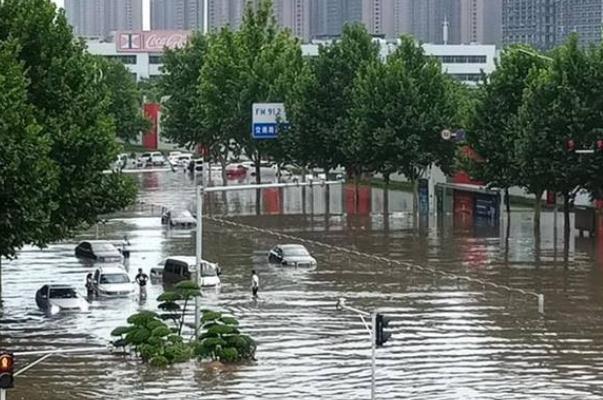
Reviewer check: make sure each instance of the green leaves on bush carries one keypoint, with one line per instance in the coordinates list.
(121, 330)
(229, 321)
(161, 331)
(159, 361)
(210, 316)
(141, 318)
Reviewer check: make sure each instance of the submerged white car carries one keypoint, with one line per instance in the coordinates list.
(291, 255)
(53, 299)
(112, 281)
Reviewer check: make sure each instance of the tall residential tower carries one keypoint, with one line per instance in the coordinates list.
(97, 18)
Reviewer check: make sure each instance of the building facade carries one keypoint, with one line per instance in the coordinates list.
(463, 62)
(530, 22)
(481, 21)
(98, 18)
(177, 14)
(583, 17)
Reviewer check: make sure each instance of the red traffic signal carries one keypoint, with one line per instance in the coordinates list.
(570, 145)
(7, 364)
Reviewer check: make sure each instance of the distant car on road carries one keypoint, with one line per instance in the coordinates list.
(291, 255)
(178, 219)
(182, 268)
(53, 299)
(236, 170)
(112, 281)
(98, 250)
(157, 158)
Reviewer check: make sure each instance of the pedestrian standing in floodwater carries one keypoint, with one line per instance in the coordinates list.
(255, 283)
(142, 279)
(89, 285)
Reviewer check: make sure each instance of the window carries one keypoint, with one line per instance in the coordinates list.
(467, 77)
(462, 59)
(124, 59)
(155, 59)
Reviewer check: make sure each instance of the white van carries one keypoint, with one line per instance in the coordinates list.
(182, 268)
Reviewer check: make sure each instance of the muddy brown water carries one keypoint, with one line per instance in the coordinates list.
(451, 340)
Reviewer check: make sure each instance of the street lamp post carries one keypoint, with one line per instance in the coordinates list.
(200, 191)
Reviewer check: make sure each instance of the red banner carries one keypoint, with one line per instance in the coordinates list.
(150, 41)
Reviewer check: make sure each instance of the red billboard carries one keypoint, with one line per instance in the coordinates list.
(150, 41)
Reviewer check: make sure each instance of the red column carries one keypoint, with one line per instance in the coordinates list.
(150, 140)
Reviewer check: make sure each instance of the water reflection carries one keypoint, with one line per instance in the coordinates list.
(452, 340)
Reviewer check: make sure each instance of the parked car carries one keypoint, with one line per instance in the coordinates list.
(156, 274)
(294, 255)
(53, 299)
(112, 281)
(144, 160)
(236, 170)
(196, 165)
(98, 250)
(181, 268)
(182, 219)
(184, 159)
(157, 158)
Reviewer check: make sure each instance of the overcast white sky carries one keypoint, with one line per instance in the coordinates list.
(146, 12)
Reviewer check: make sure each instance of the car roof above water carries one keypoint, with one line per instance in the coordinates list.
(112, 269)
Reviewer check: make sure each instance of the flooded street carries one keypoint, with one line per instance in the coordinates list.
(451, 339)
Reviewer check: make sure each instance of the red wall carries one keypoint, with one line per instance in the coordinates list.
(150, 140)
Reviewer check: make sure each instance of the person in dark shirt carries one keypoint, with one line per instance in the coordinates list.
(142, 279)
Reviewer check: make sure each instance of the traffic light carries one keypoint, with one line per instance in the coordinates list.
(381, 336)
(570, 145)
(6, 370)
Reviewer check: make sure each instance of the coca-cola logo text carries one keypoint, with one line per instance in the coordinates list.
(153, 41)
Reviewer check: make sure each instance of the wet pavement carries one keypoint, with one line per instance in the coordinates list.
(451, 339)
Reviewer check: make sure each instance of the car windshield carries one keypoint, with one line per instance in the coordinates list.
(63, 293)
(208, 271)
(146, 154)
(114, 278)
(295, 251)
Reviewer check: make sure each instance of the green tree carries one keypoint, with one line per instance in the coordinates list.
(319, 107)
(222, 340)
(182, 120)
(399, 109)
(27, 176)
(184, 292)
(125, 100)
(70, 101)
(560, 103)
(492, 130)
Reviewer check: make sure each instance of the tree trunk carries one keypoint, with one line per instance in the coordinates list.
(566, 220)
(258, 176)
(386, 196)
(223, 170)
(415, 196)
(356, 194)
(537, 205)
(327, 194)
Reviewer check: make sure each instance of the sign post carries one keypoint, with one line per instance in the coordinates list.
(267, 117)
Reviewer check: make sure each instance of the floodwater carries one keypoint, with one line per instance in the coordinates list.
(451, 339)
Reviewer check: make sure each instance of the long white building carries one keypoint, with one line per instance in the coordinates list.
(141, 53)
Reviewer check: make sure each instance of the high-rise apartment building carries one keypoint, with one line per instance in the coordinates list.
(481, 21)
(329, 16)
(530, 22)
(97, 18)
(583, 17)
(295, 15)
(177, 14)
(436, 21)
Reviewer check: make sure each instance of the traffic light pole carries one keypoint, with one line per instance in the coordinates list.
(341, 305)
(373, 352)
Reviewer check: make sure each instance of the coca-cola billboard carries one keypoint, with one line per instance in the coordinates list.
(150, 41)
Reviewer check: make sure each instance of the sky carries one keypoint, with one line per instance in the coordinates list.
(146, 12)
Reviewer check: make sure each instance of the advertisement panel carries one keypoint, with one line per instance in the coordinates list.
(150, 41)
